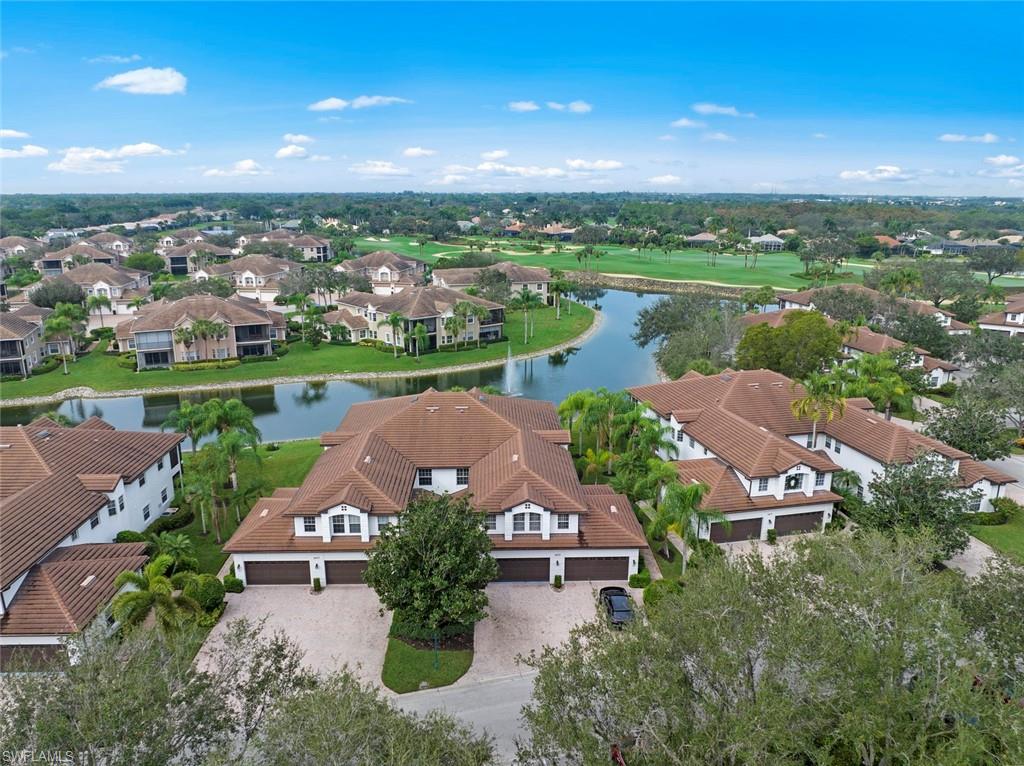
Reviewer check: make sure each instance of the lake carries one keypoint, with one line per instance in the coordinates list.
(302, 410)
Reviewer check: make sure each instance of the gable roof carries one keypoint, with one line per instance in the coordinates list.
(166, 315)
(91, 273)
(727, 494)
(378, 258)
(13, 327)
(514, 271)
(415, 302)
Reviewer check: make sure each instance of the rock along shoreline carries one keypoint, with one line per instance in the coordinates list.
(87, 392)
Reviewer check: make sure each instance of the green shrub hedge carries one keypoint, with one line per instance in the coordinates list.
(254, 359)
(640, 579)
(233, 584)
(216, 364)
(658, 589)
(180, 518)
(127, 360)
(49, 364)
(401, 627)
(130, 536)
(101, 333)
(1004, 509)
(946, 389)
(206, 590)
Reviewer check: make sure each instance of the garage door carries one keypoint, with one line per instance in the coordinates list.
(31, 657)
(597, 568)
(277, 573)
(748, 529)
(798, 522)
(345, 572)
(523, 570)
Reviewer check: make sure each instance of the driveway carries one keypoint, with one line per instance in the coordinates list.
(526, 617)
(340, 626)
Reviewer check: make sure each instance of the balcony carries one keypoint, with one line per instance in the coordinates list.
(252, 334)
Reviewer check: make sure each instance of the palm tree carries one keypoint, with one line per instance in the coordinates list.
(137, 302)
(877, 377)
(846, 483)
(98, 302)
(396, 321)
(454, 325)
(211, 469)
(595, 461)
(420, 336)
(190, 419)
(559, 286)
(185, 335)
(235, 443)
(571, 411)
(901, 281)
(822, 398)
(154, 593)
(59, 328)
(226, 415)
(481, 314)
(659, 474)
(529, 301)
(179, 547)
(680, 511)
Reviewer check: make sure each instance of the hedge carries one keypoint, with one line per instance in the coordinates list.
(401, 627)
(640, 579)
(101, 333)
(217, 364)
(206, 590)
(180, 518)
(254, 359)
(233, 584)
(128, 360)
(130, 536)
(658, 589)
(1004, 509)
(49, 364)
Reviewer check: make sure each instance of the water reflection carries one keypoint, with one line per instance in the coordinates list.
(299, 410)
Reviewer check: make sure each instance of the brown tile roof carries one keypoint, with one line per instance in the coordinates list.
(166, 315)
(13, 327)
(973, 471)
(32, 313)
(94, 421)
(379, 258)
(308, 240)
(512, 448)
(79, 248)
(12, 242)
(42, 496)
(65, 592)
(198, 247)
(91, 273)
(415, 302)
(107, 238)
(726, 492)
(257, 263)
(806, 297)
(514, 271)
(347, 318)
(1013, 306)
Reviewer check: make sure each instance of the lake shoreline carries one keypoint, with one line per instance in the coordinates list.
(87, 392)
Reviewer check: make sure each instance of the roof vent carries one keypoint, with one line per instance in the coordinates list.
(614, 509)
(515, 458)
(754, 385)
(5, 446)
(433, 408)
(87, 581)
(461, 408)
(776, 385)
(43, 434)
(368, 459)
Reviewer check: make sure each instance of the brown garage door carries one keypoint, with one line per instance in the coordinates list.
(345, 572)
(277, 573)
(523, 570)
(31, 657)
(597, 568)
(748, 529)
(798, 522)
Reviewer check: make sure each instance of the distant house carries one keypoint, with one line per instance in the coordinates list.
(464, 226)
(60, 261)
(113, 243)
(767, 243)
(21, 346)
(533, 278)
(513, 229)
(312, 248)
(704, 239)
(1009, 321)
(66, 494)
(10, 246)
(250, 330)
(429, 306)
(253, 276)
(121, 286)
(388, 272)
(186, 259)
(558, 231)
(887, 242)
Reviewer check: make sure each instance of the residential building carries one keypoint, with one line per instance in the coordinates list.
(21, 345)
(768, 243)
(558, 231)
(113, 243)
(507, 455)
(18, 246)
(65, 494)
(388, 272)
(704, 239)
(513, 229)
(804, 299)
(886, 242)
(357, 325)
(249, 330)
(536, 279)
(254, 276)
(429, 306)
(61, 261)
(183, 260)
(312, 248)
(1009, 321)
(863, 340)
(744, 421)
(124, 288)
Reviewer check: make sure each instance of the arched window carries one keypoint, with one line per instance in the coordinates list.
(526, 522)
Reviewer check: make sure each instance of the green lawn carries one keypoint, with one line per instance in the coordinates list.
(406, 667)
(284, 467)
(101, 372)
(1006, 538)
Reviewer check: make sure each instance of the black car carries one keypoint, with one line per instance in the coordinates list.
(618, 604)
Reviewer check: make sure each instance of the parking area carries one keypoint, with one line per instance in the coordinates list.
(339, 626)
(525, 617)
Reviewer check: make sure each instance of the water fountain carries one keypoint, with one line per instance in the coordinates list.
(509, 372)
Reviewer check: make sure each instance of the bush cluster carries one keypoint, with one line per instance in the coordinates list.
(946, 389)
(217, 364)
(640, 579)
(658, 589)
(127, 360)
(102, 333)
(233, 584)
(180, 518)
(402, 627)
(1004, 509)
(49, 364)
(255, 359)
(130, 536)
(206, 590)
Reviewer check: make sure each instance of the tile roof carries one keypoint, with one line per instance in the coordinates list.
(726, 493)
(53, 478)
(415, 302)
(1013, 306)
(13, 327)
(257, 263)
(197, 247)
(166, 315)
(32, 313)
(91, 273)
(347, 318)
(376, 259)
(65, 592)
(107, 238)
(806, 298)
(514, 271)
(512, 448)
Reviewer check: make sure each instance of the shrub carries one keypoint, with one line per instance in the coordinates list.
(233, 584)
(402, 627)
(206, 590)
(180, 518)
(1003, 509)
(658, 589)
(837, 524)
(558, 582)
(127, 360)
(216, 364)
(209, 619)
(130, 536)
(946, 389)
(272, 447)
(317, 586)
(254, 359)
(9, 378)
(49, 364)
(773, 537)
(280, 349)
(640, 579)
(101, 333)
(292, 338)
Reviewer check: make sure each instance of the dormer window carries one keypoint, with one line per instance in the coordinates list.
(522, 522)
(346, 525)
(462, 476)
(762, 485)
(309, 523)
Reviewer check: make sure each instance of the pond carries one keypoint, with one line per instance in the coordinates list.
(302, 410)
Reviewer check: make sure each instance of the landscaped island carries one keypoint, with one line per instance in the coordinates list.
(102, 373)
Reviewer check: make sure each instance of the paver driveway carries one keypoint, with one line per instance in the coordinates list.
(523, 617)
(340, 626)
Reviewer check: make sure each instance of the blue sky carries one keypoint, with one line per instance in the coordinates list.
(873, 98)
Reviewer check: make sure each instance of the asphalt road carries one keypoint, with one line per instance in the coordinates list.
(490, 706)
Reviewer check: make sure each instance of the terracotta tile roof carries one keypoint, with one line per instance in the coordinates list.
(32, 313)
(972, 471)
(806, 298)
(166, 315)
(347, 318)
(726, 492)
(94, 421)
(414, 302)
(64, 593)
(79, 248)
(1013, 306)
(13, 327)
(107, 238)
(376, 259)
(43, 498)
(514, 271)
(512, 448)
(91, 273)
(197, 247)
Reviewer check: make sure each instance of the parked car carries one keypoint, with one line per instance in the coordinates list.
(618, 605)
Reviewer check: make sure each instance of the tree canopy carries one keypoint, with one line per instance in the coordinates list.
(803, 344)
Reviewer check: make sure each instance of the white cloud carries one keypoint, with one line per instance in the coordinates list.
(114, 59)
(319, 158)
(580, 107)
(297, 138)
(418, 151)
(523, 106)
(878, 173)
(819, 136)
(556, 106)
(8, 133)
(523, 171)
(240, 168)
(594, 164)
(378, 168)
(717, 136)
(664, 180)
(496, 154)
(1005, 170)
(1001, 160)
(686, 122)
(667, 137)
(957, 138)
(290, 152)
(727, 111)
(147, 81)
(91, 160)
(27, 150)
(334, 104)
(449, 179)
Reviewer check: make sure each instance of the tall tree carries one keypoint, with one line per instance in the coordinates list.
(973, 425)
(420, 336)
(190, 419)
(877, 377)
(395, 320)
(152, 592)
(802, 345)
(994, 262)
(822, 399)
(96, 303)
